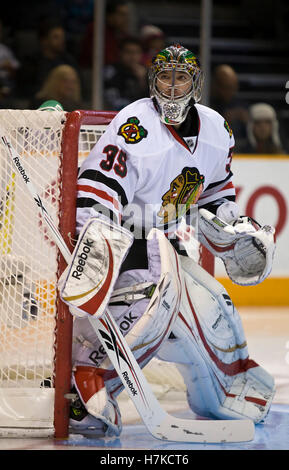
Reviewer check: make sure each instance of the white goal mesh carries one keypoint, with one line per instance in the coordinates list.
(29, 264)
(28, 258)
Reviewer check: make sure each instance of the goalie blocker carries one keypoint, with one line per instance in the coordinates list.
(86, 284)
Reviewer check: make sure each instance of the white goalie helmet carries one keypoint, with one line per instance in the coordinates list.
(176, 81)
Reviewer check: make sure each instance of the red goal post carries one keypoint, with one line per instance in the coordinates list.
(70, 151)
(35, 326)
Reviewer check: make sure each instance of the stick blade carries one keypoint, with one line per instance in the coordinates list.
(207, 431)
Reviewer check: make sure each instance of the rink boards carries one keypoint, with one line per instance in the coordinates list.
(263, 193)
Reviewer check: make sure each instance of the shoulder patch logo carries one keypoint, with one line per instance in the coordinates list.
(228, 128)
(131, 131)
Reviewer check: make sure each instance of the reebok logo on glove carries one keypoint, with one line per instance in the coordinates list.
(77, 273)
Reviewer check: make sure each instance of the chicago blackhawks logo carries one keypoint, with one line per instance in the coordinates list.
(131, 131)
(184, 191)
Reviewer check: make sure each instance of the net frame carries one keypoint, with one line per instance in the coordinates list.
(70, 152)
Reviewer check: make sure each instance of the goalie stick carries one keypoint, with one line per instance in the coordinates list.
(159, 423)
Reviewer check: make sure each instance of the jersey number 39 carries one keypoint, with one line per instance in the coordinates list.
(115, 159)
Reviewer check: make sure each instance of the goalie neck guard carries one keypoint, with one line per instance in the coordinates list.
(173, 104)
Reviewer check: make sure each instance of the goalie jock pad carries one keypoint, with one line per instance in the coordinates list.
(247, 253)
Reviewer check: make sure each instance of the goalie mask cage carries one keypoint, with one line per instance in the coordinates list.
(35, 326)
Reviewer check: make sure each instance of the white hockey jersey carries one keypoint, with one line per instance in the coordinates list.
(143, 173)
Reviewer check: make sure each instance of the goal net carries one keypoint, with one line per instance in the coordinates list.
(35, 326)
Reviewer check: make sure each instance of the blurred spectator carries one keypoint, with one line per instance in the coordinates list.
(262, 131)
(126, 81)
(8, 69)
(35, 69)
(117, 28)
(62, 84)
(75, 14)
(224, 99)
(270, 22)
(153, 41)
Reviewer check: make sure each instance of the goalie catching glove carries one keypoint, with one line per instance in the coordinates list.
(247, 253)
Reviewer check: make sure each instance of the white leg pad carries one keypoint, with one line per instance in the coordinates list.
(211, 347)
(150, 320)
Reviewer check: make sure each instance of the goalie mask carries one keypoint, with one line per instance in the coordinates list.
(175, 80)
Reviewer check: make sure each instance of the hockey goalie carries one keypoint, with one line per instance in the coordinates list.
(159, 158)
